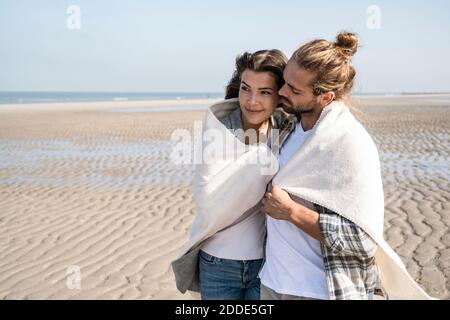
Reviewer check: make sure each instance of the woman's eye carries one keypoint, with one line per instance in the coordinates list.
(266, 92)
(244, 88)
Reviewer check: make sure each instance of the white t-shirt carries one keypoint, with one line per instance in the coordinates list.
(243, 241)
(294, 263)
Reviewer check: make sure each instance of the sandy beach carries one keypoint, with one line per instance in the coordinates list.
(91, 185)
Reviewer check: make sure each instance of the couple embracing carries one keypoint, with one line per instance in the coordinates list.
(310, 228)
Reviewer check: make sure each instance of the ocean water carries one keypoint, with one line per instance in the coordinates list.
(109, 163)
(7, 97)
(114, 163)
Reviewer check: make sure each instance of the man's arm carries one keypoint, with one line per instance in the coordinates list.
(331, 229)
(306, 219)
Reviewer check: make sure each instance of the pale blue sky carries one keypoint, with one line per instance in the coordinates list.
(137, 45)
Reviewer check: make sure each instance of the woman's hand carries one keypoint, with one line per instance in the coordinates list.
(278, 204)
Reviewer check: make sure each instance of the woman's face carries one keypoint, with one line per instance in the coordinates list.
(258, 96)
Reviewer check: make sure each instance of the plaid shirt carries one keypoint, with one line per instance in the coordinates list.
(349, 258)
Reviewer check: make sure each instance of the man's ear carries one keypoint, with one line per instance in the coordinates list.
(326, 98)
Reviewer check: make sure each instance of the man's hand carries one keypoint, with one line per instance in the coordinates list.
(278, 204)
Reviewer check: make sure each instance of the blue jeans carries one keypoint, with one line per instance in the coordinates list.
(225, 279)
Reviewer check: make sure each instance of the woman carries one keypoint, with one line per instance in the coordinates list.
(230, 258)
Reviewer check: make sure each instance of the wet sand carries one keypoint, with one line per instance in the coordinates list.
(91, 185)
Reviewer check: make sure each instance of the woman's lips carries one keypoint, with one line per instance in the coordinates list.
(254, 111)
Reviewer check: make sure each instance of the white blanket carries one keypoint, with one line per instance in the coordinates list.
(232, 183)
(337, 167)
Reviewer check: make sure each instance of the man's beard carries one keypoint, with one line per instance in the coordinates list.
(299, 110)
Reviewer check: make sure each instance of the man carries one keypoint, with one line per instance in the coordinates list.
(326, 208)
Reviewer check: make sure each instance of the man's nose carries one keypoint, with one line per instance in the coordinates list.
(282, 91)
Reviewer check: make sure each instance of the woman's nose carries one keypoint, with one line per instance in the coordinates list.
(252, 99)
